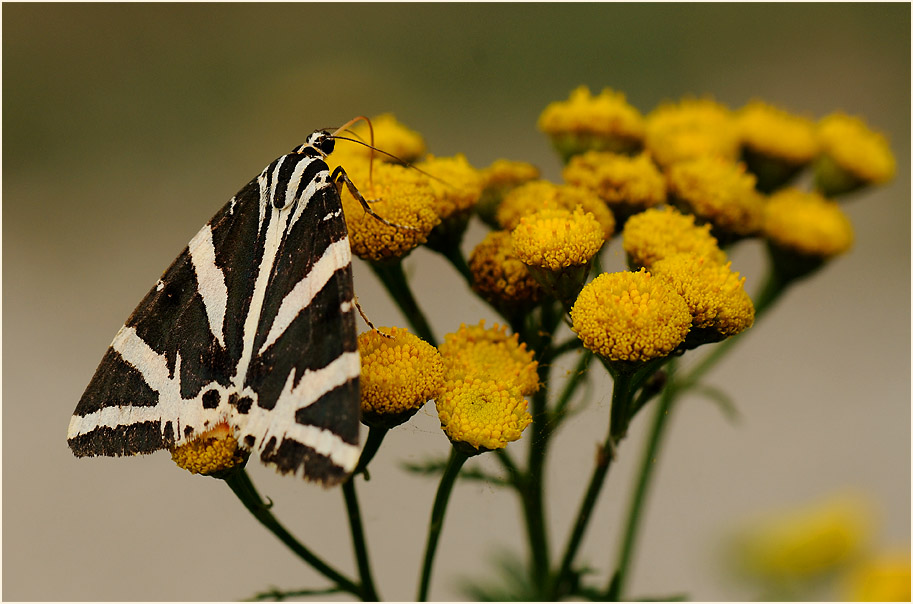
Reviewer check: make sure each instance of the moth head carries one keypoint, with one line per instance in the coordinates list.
(319, 142)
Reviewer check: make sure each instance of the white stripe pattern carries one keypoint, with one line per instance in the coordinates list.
(210, 281)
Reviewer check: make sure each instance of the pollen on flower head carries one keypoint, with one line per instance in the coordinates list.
(389, 135)
(484, 413)
(807, 223)
(849, 142)
(400, 196)
(634, 183)
(717, 191)
(399, 373)
(456, 185)
(661, 232)
(583, 122)
(499, 276)
(691, 128)
(630, 317)
(556, 238)
(715, 295)
(209, 453)
(489, 354)
(536, 195)
(775, 133)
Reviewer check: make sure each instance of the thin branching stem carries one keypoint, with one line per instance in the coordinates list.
(368, 591)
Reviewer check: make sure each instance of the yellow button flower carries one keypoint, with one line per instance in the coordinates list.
(399, 374)
(538, 194)
(714, 294)
(501, 177)
(456, 185)
(775, 133)
(583, 122)
(400, 196)
(882, 578)
(499, 276)
(807, 224)
(489, 354)
(807, 541)
(691, 128)
(630, 317)
(485, 414)
(719, 192)
(212, 452)
(661, 232)
(853, 155)
(557, 238)
(390, 136)
(627, 184)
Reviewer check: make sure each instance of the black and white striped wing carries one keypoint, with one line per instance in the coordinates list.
(252, 325)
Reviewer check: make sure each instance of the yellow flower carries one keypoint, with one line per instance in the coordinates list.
(627, 184)
(691, 128)
(808, 541)
(485, 414)
(499, 276)
(536, 195)
(400, 196)
(883, 578)
(719, 192)
(714, 294)
(501, 177)
(390, 136)
(807, 224)
(399, 374)
(211, 452)
(660, 232)
(630, 317)
(557, 238)
(604, 122)
(853, 155)
(456, 184)
(772, 132)
(489, 354)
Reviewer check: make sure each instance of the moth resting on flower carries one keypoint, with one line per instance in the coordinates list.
(250, 328)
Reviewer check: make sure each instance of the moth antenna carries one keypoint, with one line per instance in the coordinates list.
(368, 321)
(345, 127)
(340, 177)
(401, 161)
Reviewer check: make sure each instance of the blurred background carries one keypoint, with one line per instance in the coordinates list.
(125, 127)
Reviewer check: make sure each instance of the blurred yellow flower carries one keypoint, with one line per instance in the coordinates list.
(853, 155)
(717, 191)
(807, 224)
(689, 129)
(485, 414)
(556, 238)
(489, 354)
(501, 177)
(714, 294)
(400, 196)
(630, 317)
(584, 122)
(775, 133)
(211, 452)
(390, 136)
(456, 185)
(807, 541)
(883, 578)
(627, 184)
(399, 374)
(499, 276)
(661, 232)
(535, 195)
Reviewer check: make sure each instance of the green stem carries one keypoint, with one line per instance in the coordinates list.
(393, 278)
(621, 398)
(376, 436)
(368, 593)
(437, 517)
(648, 462)
(243, 488)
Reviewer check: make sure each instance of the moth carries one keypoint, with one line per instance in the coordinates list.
(252, 325)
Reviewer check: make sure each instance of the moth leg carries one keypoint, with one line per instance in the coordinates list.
(339, 177)
(368, 321)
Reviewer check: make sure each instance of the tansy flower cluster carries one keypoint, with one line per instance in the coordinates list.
(210, 453)
(487, 375)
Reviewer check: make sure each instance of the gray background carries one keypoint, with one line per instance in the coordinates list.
(126, 126)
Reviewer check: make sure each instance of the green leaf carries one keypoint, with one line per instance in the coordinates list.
(435, 467)
(274, 594)
(723, 401)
